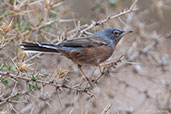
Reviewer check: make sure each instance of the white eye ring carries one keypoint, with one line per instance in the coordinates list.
(116, 33)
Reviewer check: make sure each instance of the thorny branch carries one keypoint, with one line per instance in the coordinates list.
(132, 8)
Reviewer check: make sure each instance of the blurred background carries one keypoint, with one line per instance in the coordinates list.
(139, 82)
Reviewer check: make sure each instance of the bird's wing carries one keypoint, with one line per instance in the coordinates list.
(83, 42)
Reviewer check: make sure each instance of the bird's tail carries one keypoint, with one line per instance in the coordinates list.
(39, 47)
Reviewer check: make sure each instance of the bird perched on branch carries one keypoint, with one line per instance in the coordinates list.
(91, 50)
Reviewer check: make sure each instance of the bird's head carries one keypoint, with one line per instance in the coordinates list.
(115, 34)
(111, 35)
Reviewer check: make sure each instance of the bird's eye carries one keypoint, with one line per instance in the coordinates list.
(116, 33)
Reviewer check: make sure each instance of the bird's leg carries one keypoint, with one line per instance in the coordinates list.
(107, 63)
(81, 70)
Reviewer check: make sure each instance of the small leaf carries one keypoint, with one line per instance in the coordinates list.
(34, 78)
(4, 81)
(31, 87)
(34, 86)
(10, 67)
(37, 85)
(2, 67)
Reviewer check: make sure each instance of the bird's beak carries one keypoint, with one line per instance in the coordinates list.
(126, 32)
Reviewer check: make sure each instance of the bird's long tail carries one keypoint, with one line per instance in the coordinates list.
(39, 47)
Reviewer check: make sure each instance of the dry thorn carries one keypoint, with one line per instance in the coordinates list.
(62, 73)
(106, 109)
(22, 67)
(6, 27)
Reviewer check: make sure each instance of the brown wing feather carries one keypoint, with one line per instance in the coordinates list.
(83, 42)
(92, 56)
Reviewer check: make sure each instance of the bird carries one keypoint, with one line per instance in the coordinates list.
(91, 50)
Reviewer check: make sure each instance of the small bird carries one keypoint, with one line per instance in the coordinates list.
(90, 50)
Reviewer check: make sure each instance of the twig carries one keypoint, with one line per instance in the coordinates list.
(6, 74)
(106, 109)
(93, 24)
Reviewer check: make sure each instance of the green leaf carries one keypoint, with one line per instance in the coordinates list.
(37, 85)
(2, 67)
(31, 87)
(34, 78)
(10, 67)
(4, 81)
